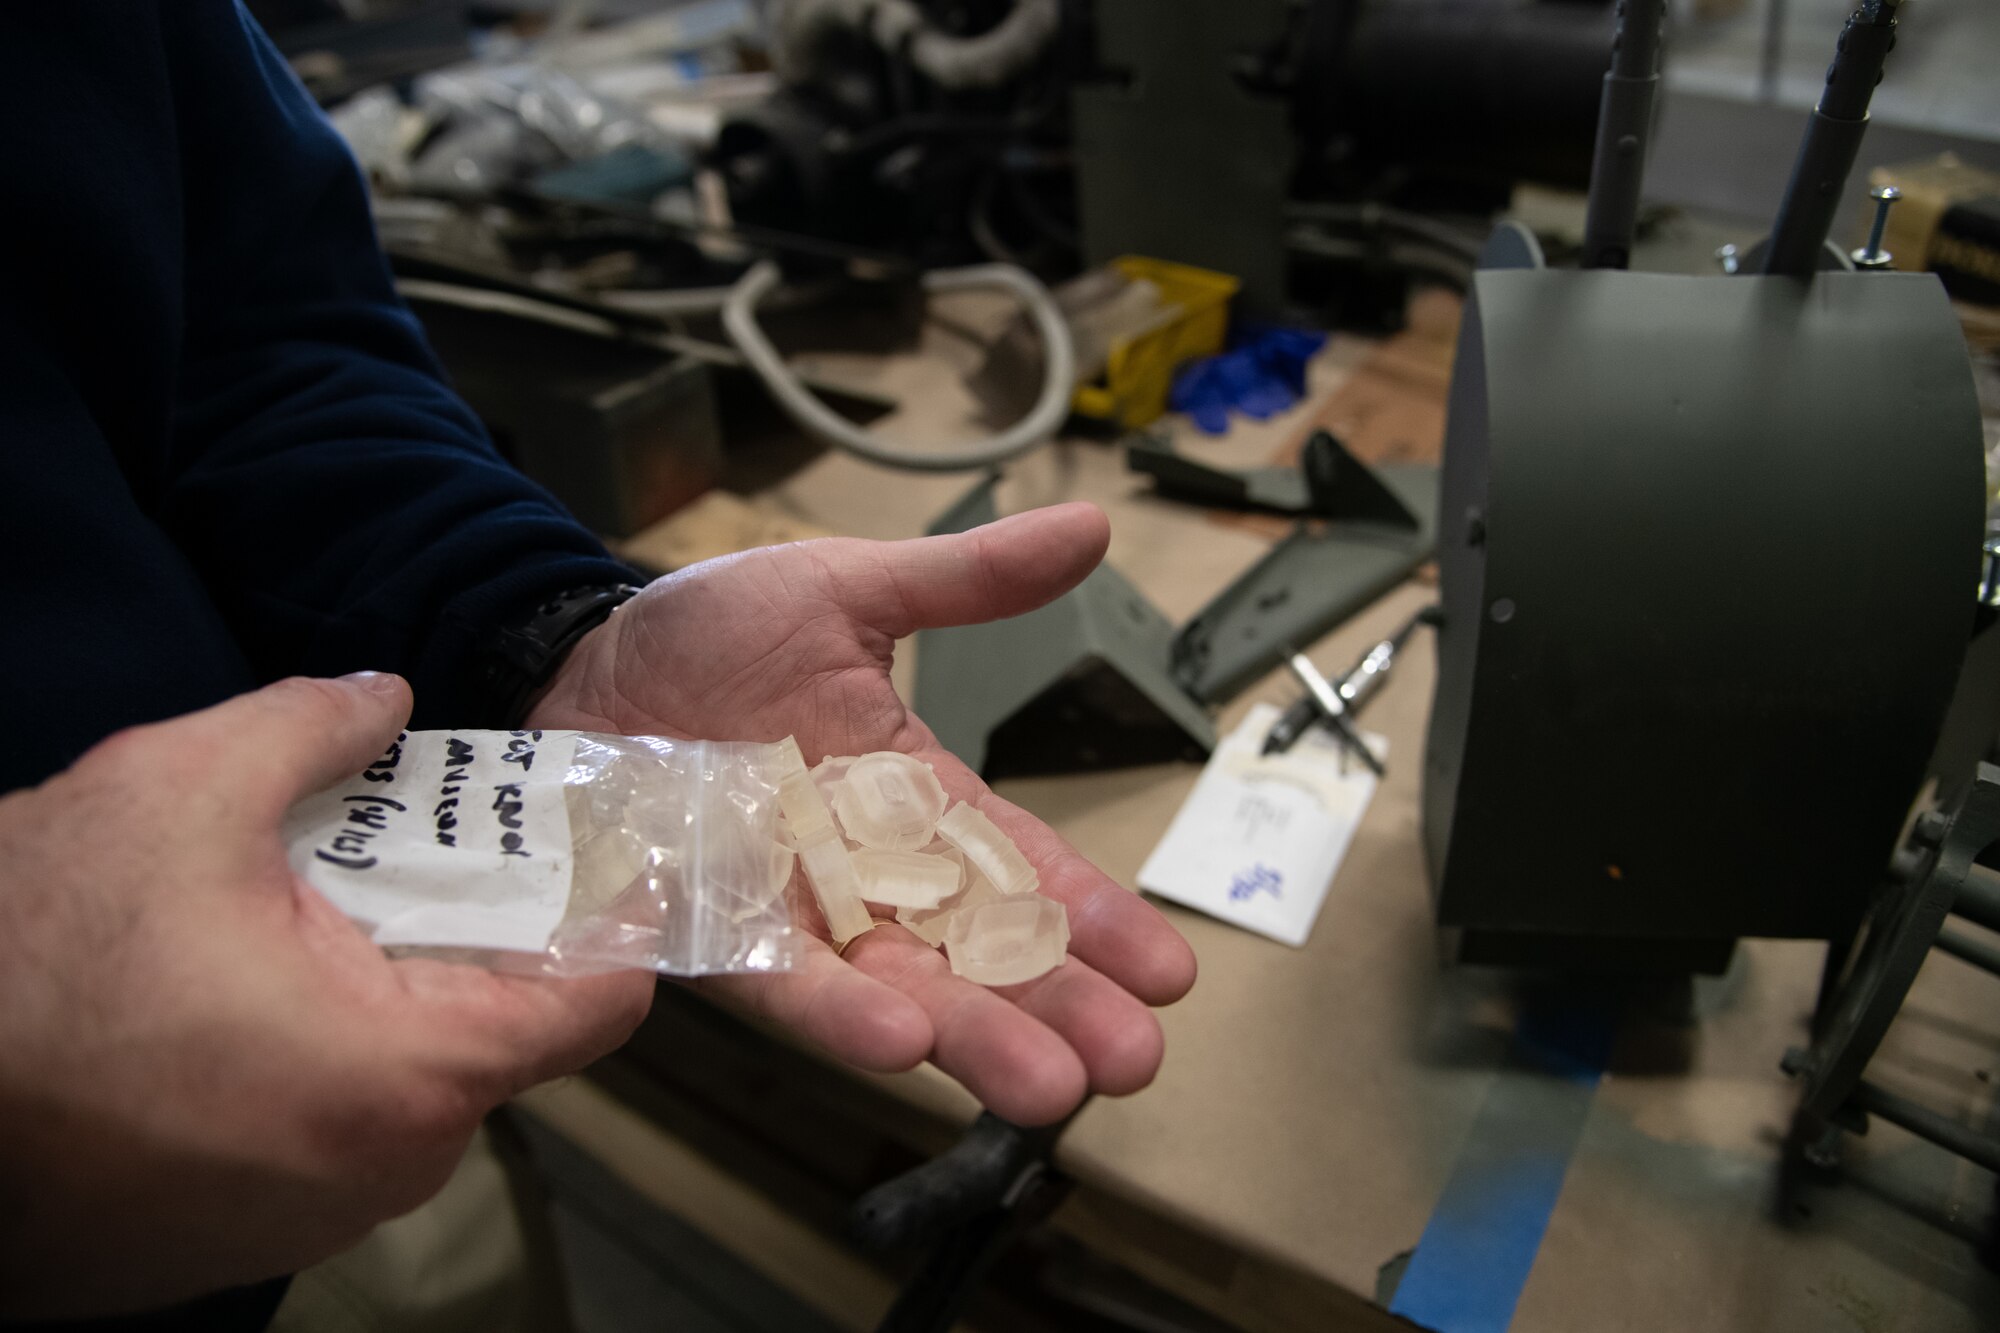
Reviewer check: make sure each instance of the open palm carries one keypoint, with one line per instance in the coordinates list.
(797, 640)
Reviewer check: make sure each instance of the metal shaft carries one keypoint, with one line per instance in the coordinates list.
(1883, 199)
(1335, 702)
(1872, 256)
(1833, 137)
(1624, 117)
(1333, 710)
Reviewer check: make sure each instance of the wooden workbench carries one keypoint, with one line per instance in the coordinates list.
(1314, 1101)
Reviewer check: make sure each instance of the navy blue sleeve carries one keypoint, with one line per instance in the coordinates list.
(343, 506)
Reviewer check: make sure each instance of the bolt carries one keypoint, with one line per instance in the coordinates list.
(1872, 255)
(1930, 828)
(1728, 258)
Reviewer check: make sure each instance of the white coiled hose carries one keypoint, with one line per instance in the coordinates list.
(739, 320)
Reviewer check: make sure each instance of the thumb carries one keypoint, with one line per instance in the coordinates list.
(294, 737)
(965, 578)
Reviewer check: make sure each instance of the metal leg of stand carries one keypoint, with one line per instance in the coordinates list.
(1839, 951)
(1858, 1006)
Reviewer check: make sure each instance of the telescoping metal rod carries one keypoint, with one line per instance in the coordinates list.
(1833, 137)
(1624, 118)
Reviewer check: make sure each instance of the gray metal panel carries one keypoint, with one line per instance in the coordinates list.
(1178, 161)
(1737, 521)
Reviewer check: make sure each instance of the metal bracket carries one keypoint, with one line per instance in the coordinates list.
(1099, 677)
(1083, 682)
(1328, 482)
(1384, 525)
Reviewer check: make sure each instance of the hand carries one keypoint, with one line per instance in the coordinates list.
(797, 640)
(208, 1075)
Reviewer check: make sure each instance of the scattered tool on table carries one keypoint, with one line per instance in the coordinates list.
(1336, 702)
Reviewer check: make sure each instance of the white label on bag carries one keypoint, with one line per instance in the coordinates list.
(456, 839)
(1258, 840)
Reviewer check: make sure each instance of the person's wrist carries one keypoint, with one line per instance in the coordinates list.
(518, 663)
(579, 685)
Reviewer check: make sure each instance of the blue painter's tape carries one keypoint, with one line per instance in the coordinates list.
(1473, 1258)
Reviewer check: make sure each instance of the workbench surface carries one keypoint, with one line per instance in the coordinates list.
(1316, 1102)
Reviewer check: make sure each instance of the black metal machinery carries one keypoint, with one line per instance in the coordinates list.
(1285, 143)
(1197, 140)
(928, 140)
(1455, 96)
(1707, 551)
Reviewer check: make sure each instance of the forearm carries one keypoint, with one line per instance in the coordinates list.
(344, 507)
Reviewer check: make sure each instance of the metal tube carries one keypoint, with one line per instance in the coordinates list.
(1884, 197)
(1832, 139)
(1925, 1123)
(1624, 117)
(1978, 897)
(1333, 709)
(1976, 952)
(1367, 676)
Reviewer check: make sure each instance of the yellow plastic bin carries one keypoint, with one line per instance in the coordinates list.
(1140, 369)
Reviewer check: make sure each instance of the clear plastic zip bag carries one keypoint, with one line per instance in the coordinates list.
(560, 852)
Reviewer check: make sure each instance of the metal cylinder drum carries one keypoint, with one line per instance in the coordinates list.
(1708, 550)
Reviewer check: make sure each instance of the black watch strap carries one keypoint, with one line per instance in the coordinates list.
(519, 658)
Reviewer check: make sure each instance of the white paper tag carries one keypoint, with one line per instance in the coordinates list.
(456, 839)
(1257, 842)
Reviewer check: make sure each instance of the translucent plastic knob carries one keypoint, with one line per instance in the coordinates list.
(992, 852)
(930, 923)
(889, 801)
(1007, 942)
(906, 879)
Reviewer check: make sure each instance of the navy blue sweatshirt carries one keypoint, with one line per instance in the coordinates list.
(226, 452)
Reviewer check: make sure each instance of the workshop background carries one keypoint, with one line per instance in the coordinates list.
(1553, 441)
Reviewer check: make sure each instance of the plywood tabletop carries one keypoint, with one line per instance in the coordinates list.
(1314, 1101)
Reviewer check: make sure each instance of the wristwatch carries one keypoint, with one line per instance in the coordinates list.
(520, 657)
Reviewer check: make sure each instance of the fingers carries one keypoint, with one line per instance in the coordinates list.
(1116, 1036)
(292, 738)
(517, 1031)
(1019, 1067)
(567, 1024)
(847, 1013)
(893, 1001)
(990, 573)
(1116, 931)
(1111, 928)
